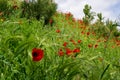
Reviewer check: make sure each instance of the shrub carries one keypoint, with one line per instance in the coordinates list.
(89, 16)
(116, 34)
(38, 9)
(3, 7)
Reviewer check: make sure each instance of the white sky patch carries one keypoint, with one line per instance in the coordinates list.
(76, 7)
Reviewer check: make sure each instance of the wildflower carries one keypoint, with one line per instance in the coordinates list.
(88, 33)
(68, 14)
(90, 45)
(68, 51)
(65, 44)
(76, 50)
(15, 7)
(37, 54)
(113, 46)
(60, 52)
(79, 41)
(118, 42)
(57, 31)
(73, 19)
(82, 32)
(73, 41)
(80, 21)
(96, 45)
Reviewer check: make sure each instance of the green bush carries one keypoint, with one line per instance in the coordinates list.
(89, 16)
(116, 34)
(3, 7)
(8, 8)
(38, 9)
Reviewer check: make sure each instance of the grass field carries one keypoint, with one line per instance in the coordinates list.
(67, 50)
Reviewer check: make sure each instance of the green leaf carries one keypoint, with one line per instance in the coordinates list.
(103, 73)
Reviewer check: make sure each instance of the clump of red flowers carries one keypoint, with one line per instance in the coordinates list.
(76, 50)
(73, 19)
(73, 41)
(60, 52)
(96, 45)
(80, 22)
(118, 42)
(37, 54)
(90, 45)
(82, 32)
(68, 15)
(79, 41)
(68, 51)
(65, 44)
(57, 31)
(88, 33)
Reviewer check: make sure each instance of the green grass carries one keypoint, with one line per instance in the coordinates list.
(19, 36)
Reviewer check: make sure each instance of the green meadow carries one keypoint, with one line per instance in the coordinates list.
(63, 49)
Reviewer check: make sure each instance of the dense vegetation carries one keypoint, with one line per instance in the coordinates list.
(69, 49)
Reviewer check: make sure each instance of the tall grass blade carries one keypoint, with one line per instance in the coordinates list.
(104, 71)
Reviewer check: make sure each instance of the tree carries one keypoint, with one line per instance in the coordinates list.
(89, 16)
(38, 9)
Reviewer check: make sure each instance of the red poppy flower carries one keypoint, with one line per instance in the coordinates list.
(65, 44)
(15, 7)
(79, 41)
(88, 33)
(82, 32)
(68, 14)
(60, 52)
(57, 31)
(73, 41)
(77, 50)
(80, 21)
(37, 54)
(96, 45)
(113, 46)
(73, 19)
(118, 44)
(90, 45)
(68, 51)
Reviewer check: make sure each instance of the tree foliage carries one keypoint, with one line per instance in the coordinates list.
(38, 9)
(89, 16)
(3, 7)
